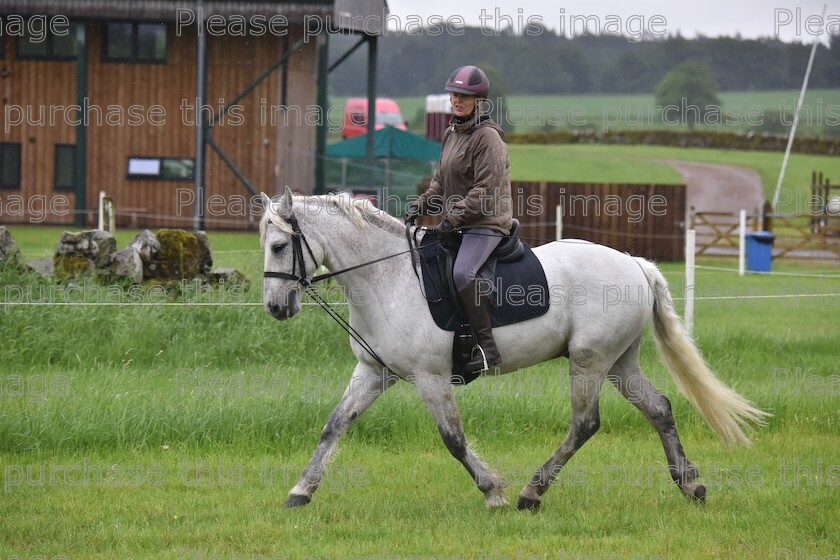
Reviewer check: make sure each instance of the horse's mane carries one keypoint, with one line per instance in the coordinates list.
(360, 211)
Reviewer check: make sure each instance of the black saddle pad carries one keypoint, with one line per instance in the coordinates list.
(520, 289)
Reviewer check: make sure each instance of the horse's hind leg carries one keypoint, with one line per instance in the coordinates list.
(366, 384)
(586, 376)
(628, 377)
(436, 393)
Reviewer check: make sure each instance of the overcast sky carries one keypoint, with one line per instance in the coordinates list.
(750, 18)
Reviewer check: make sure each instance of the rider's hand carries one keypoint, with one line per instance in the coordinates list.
(412, 213)
(444, 228)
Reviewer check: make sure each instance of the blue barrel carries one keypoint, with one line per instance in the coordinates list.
(759, 250)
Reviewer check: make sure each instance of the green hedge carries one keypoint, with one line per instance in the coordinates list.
(683, 139)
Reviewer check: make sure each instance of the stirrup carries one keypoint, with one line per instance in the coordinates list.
(484, 366)
(483, 358)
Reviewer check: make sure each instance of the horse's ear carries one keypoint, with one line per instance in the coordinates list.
(266, 201)
(284, 206)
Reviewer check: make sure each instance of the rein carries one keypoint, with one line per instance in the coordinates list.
(298, 243)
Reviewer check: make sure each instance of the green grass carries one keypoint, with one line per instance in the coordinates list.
(639, 164)
(741, 111)
(175, 432)
(584, 163)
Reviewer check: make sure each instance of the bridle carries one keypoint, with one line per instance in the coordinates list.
(298, 242)
(299, 261)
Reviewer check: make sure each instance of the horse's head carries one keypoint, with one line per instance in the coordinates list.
(289, 256)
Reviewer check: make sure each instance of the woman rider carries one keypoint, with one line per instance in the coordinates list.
(470, 189)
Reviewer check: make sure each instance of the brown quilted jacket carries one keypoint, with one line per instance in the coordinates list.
(471, 184)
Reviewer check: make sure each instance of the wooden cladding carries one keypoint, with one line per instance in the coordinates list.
(643, 220)
(149, 110)
(28, 90)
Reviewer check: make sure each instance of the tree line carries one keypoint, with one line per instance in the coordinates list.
(547, 64)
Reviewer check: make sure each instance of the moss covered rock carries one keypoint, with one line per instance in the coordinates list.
(9, 252)
(84, 253)
(70, 267)
(183, 255)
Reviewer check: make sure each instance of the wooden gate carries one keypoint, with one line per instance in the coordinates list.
(807, 236)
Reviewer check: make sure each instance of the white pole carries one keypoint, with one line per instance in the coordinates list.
(101, 223)
(742, 242)
(689, 280)
(796, 115)
(112, 216)
(558, 223)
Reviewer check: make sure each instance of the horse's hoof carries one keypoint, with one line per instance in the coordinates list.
(699, 494)
(528, 503)
(296, 500)
(496, 502)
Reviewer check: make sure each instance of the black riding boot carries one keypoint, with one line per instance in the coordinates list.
(476, 308)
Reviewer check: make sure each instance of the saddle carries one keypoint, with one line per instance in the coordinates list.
(513, 278)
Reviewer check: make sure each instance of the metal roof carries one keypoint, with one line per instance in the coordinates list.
(346, 13)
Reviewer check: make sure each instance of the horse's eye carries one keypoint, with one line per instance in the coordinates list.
(277, 249)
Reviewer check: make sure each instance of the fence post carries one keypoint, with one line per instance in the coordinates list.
(742, 248)
(689, 281)
(558, 222)
(112, 215)
(100, 225)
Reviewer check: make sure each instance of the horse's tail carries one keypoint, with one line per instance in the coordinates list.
(721, 407)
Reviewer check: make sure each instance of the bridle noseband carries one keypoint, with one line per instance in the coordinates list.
(298, 242)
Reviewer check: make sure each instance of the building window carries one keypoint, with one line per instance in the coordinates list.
(134, 42)
(48, 45)
(65, 167)
(9, 165)
(167, 169)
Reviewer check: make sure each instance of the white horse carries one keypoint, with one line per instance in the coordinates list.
(596, 330)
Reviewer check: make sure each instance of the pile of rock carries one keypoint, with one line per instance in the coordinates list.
(169, 255)
(9, 252)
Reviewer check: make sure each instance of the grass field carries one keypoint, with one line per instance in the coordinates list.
(175, 432)
(640, 164)
(741, 111)
(645, 164)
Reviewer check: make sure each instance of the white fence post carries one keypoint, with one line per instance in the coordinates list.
(101, 223)
(107, 215)
(558, 222)
(689, 280)
(112, 215)
(742, 247)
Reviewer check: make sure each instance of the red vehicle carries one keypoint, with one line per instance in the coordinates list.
(355, 115)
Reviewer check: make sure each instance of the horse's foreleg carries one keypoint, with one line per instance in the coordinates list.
(367, 383)
(628, 377)
(585, 388)
(436, 393)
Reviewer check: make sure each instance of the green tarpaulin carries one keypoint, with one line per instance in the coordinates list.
(389, 142)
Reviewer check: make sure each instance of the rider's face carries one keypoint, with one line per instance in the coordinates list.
(462, 103)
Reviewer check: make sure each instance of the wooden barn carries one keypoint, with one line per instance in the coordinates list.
(179, 110)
